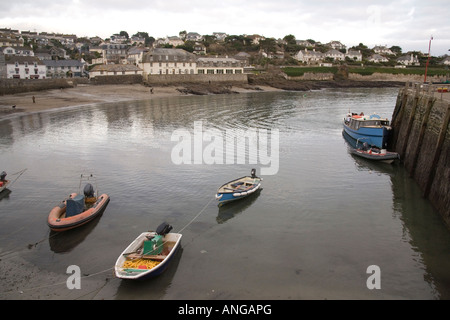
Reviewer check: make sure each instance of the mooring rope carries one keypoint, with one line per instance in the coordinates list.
(97, 273)
(19, 174)
(198, 214)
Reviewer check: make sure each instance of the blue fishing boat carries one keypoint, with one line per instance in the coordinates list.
(371, 129)
(238, 188)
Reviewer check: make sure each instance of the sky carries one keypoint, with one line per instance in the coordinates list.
(409, 24)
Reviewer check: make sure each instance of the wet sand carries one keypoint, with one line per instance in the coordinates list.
(21, 103)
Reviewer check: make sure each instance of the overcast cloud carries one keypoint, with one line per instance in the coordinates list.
(407, 23)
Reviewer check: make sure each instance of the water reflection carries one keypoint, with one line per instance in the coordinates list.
(366, 164)
(63, 242)
(330, 216)
(424, 230)
(232, 209)
(4, 194)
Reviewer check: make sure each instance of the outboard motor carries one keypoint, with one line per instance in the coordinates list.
(253, 172)
(2, 176)
(163, 229)
(365, 146)
(89, 191)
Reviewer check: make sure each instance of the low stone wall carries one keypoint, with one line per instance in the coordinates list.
(310, 76)
(421, 135)
(167, 79)
(119, 79)
(13, 86)
(393, 77)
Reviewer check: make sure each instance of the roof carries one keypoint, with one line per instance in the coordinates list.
(23, 59)
(168, 54)
(63, 63)
(116, 67)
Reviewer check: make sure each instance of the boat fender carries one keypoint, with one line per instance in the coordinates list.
(219, 197)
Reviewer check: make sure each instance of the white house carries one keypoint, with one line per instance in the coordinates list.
(17, 51)
(220, 36)
(382, 50)
(199, 48)
(168, 61)
(309, 56)
(118, 39)
(446, 61)
(135, 55)
(137, 40)
(212, 65)
(64, 68)
(409, 60)
(354, 55)
(114, 70)
(24, 67)
(377, 58)
(193, 36)
(337, 45)
(335, 55)
(174, 41)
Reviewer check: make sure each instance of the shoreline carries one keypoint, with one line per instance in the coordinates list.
(13, 105)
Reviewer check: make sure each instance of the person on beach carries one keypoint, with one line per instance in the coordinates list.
(34, 99)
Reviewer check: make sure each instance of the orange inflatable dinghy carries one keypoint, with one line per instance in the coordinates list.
(78, 209)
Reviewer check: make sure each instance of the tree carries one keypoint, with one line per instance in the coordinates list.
(124, 34)
(396, 49)
(291, 44)
(148, 40)
(268, 45)
(365, 51)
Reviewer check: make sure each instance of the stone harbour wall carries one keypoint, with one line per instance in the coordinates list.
(421, 135)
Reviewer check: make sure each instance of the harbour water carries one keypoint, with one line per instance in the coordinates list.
(315, 231)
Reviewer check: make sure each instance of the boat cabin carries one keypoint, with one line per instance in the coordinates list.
(357, 121)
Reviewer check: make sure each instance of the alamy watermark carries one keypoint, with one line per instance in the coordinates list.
(231, 146)
(74, 280)
(374, 280)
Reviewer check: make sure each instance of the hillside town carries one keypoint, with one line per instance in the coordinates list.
(42, 55)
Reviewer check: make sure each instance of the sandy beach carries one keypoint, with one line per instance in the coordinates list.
(21, 103)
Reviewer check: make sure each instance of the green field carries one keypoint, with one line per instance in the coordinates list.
(367, 71)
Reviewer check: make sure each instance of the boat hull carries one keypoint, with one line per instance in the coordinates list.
(232, 195)
(4, 184)
(377, 137)
(388, 157)
(58, 223)
(144, 274)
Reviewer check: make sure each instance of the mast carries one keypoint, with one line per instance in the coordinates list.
(428, 60)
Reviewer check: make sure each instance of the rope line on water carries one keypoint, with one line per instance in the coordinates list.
(93, 274)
